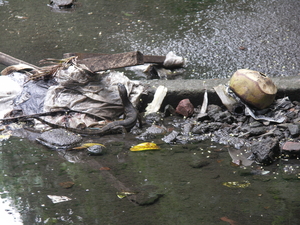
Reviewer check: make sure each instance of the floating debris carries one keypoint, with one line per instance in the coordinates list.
(87, 145)
(4, 137)
(124, 194)
(96, 150)
(144, 146)
(240, 157)
(67, 184)
(104, 168)
(236, 184)
(57, 199)
(226, 219)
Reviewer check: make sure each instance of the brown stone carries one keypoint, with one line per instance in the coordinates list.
(291, 146)
(67, 184)
(185, 108)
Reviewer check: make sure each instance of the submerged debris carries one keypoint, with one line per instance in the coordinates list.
(58, 199)
(96, 150)
(235, 184)
(67, 184)
(59, 139)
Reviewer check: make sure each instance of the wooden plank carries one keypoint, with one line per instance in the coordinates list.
(146, 58)
(154, 59)
(112, 61)
(81, 55)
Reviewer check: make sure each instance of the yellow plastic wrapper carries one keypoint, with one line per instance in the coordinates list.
(144, 147)
(235, 184)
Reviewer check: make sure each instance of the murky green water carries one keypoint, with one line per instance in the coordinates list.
(208, 33)
(30, 172)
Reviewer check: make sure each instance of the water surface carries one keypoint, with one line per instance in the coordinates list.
(210, 34)
(31, 172)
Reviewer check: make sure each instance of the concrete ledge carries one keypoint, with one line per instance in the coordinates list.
(194, 90)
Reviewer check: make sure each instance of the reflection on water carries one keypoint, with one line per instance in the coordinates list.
(9, 213)
(217, 37)
(31, 173)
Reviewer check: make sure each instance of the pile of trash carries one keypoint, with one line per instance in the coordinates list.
(260, 128)
(78, 93)
(81, 82)
(73, 87)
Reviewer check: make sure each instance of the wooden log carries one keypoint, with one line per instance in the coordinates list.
(8, 60)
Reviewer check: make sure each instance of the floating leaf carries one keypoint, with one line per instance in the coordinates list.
(144, 146)
(67, 184)
(120, 196)
(226, 219)
(126, 14)
(87, 145)
(235, 184)
(123, 194)
(104, 168)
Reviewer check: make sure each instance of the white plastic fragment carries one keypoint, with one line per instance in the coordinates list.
(57, 199)
(159, 96)
(9, 90)
(240, 156)
(172, 60)
(204, 103)
(227, 100)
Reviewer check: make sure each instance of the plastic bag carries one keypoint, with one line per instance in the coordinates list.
(96, 94)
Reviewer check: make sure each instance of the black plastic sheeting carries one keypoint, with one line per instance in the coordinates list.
(72, 88)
